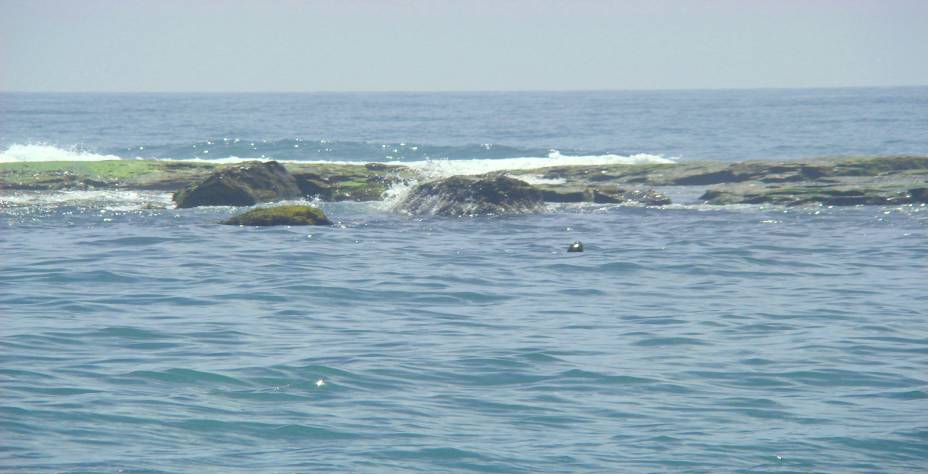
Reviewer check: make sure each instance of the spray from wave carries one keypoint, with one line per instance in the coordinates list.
(433, 169)
(37, 153)
(429, 167)
(437, 169)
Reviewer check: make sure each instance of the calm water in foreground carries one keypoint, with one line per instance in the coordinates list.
(140, 338)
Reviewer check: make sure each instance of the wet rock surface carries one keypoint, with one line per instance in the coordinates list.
(241, 185)
(803, 194)
(345, 187)
(831, 181)
(281, 215)
(603, 195)
(472, 195)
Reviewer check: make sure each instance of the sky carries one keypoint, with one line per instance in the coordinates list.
(445, 45)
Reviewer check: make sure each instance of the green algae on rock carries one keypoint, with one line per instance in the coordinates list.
(330, 181)
(109, 174)
(281, 215)
(804, 194)
(830, 181)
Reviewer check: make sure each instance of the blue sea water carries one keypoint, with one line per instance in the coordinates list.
(687, 338)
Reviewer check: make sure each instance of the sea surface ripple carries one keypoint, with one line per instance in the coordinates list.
(684, 339)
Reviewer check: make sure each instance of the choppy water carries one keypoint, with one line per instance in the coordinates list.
(137, 338)
(717, 125)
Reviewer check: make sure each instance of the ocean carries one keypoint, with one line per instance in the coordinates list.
(136, 337)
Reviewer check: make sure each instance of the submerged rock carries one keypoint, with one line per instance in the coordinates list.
(241, 185)
(472, 195)
(281, 215)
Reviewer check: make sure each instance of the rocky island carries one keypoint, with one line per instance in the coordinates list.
(826, 181)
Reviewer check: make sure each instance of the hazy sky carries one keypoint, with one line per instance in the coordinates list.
(350, 45)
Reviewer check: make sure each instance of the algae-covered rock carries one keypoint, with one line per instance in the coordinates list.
(472, 195)
(837, 195)
(281, 215)
(107, 174)
(603, 195)
(242, 185)
(367, 185)
(767, 172)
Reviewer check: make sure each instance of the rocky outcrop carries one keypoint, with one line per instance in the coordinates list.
(707, 173)
(281, 215)
(836, 195)
(472, 195)
(242, 185)
(782, 172)
(110, 174)
(831, 181)
(345, 187)
(603, 195)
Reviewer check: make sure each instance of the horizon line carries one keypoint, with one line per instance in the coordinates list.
(465, 91)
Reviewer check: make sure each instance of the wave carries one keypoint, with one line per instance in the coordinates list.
(17, 153)
(431, 161)
(428, 168)
(108, 200)
(444, 168)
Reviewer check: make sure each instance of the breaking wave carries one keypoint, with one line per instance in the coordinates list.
(35, 153)
(432, 161)
(443, 168)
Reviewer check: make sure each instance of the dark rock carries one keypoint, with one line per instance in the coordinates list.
(281, 215)
(725, 176)
(344, 187)
(563, 195)
(604, 197)
(314, 185)
(472, 195)
(919, 195)
(241, 185)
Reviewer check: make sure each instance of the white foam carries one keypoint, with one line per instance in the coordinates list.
(231, 159)
(110, 200)
(395, 194)
(428, 169)
(539, 179)
(434, 169)
(437, 169)
(33, 153)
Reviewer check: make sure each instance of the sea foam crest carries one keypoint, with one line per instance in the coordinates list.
(17, 153)
(434, 169)
(438, 169)
(431, 169)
